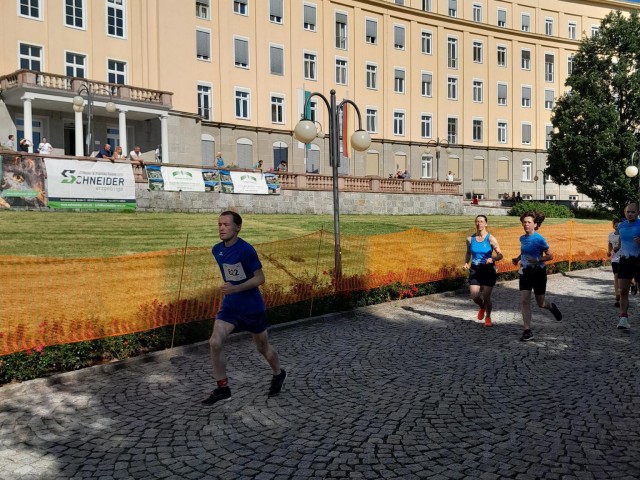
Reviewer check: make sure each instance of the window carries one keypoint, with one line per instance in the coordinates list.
(477, 130)
(276, 60)
(341, 71)
(595, 29)
(398, 80)
(30, 8)
(527, 167)
(502, 131)
(525, 22)
(572, 198)
(202, 9)
(452, 130)
(241, 7)
(309, 15)
(549, 60)
(426, 42)
(525, 59)
(75, 64)
(572, 30)
(398, 122)
(502, 18)
(503, 169)
(452, 52)
(478, 91)
(427, 84)
(372, 120)
(399, 2)
(452, 88)
(426, 5)
(526, 134)
(115, 18)
(502, 56)
(398, 37)
(477, 172)
(241, 52)
(477, 12)
(203, 45)
(526, 97)
(453, 8)
(117, 72)
(275, 11)
(477, 51)
(427, 166)
(242, 104)
(426, 121)
(310, 70)
(549, 197)
(30, 57)
(549, 96)
(204, 101)
(341, 31)
(502, 93)
(277, 109)
(372, 76)
(74, 13)
(548, 133)
(371, 31)
(548, 26)
(313, 110)
(569, 64)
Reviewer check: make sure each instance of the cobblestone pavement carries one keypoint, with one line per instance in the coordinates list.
(410, 389)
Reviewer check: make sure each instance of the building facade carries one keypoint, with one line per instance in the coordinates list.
(460, 86)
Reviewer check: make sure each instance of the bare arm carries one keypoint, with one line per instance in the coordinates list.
(496, 248)
(467, 256)
(253, 282)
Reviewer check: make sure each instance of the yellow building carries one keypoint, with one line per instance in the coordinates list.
(460, 86)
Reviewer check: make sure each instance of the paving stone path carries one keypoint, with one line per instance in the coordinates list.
(410, 389)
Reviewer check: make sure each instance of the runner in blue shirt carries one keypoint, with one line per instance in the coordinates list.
(628, 268)
(242, 306)
(534, 251)
(480, 262)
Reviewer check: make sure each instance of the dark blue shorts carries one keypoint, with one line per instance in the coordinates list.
(534, 278)
(250, 322)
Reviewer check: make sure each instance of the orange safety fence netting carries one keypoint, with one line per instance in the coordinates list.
(48, 301)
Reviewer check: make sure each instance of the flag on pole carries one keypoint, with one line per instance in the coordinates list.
(345, 131)
(307, 111)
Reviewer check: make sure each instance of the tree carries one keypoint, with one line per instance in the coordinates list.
(597, 122)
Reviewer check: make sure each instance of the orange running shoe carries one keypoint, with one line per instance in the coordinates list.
(481, 314)
(487, 322)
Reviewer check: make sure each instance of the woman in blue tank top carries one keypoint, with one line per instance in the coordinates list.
(480, 262)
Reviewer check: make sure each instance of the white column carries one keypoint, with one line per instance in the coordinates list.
(79, 135)
(28, 121)
(122, 128)
(164, 135)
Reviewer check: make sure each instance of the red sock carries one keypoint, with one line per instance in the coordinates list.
(224, 382)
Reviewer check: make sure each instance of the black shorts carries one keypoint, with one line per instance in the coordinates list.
(482, 274)
(534, 278)
(628, 268)
(614, 267)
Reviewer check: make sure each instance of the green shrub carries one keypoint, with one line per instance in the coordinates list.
(550, 210)
(593, 213)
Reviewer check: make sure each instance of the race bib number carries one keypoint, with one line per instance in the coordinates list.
(234, 272)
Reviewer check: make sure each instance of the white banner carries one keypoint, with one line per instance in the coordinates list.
(182, 179)
(83, 184)
(249, 182)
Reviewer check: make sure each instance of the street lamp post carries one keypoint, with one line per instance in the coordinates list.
(631, 171)
(305, 131)
(91, 91)
(544, 182)
(438, 144)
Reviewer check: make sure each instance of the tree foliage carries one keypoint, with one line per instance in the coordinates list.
(597, 122)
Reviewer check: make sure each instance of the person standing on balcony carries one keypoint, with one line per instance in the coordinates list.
(242, 306)
(45, 147)
(135, 154)
(481, 264)
(11, 143)
(25, 144)
(450, 176)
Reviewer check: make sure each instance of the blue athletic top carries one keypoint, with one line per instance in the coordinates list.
(237, 264)
(627, 231)
(480, 251)
(533, 245)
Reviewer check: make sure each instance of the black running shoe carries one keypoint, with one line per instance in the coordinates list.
(617, 304)
(220, 394)
(556, 311)
(634, 289)
(526, 336)
(277, 382)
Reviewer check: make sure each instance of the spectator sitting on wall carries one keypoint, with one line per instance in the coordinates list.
(258, 166)
(282, 167)
(105, 152)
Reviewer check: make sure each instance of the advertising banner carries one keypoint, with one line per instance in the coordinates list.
(249, 182)
(90, 185)
(182, 179)
(21, 182)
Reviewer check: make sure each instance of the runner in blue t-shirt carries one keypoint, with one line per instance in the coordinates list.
(242, 306)
(629, 267)
(480, 262)
(534, 251)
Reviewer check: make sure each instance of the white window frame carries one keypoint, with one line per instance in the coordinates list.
(75, 66)
(308, 26)
(502, 51)
(342, 71)
(83, 15)
(404, 37)
(341, 41)
(502, 101)
(477, 12)
(452, 137)
(452, 87)
(524, 101)
(426, 42)
(310, 65)
(241, 8)
(570, 58)
(426, 125)
(426, 5)
(278, 107)
(205, 100)
(525, 63)
(235, 58)
(399, 83)
(203, 10)
(116, 72)
(452, 52)
(477, 90)
(399, 127)
(275, 19)
(573, 198)
(548, 131)
(549, 197)
(502, 132)
(39, 4)
(371, 117)
(548, 26)
(525, 27)
(30, 57)
(275, 46)
(118, 7)
(550, 106)
(426, 88)
(572, 30)
(498, 23)
(549, 73)
(208, 33)
(371, 75)
(527, 170)
(522, 133)
(242, 95)
(452, 12)
(478, 51)
(477, 122)
(595, 30)
(427, 166)
(369, 39)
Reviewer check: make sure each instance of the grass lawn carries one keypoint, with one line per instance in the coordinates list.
(101, 234)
